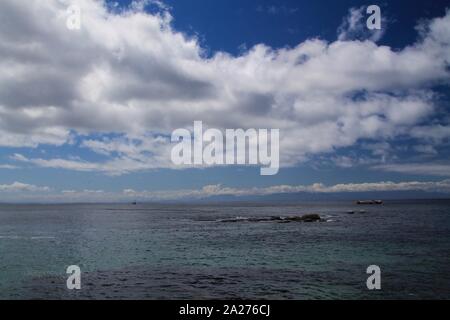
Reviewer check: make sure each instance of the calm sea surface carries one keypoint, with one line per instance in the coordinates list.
(190, 252)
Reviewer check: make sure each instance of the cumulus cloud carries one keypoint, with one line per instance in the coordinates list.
(126, 155)
(131, 74)
(22, 187)
(7, 166)
(433, 169)
(435, 134)
(34, 193)
(219, 190)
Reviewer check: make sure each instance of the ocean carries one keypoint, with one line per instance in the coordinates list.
(226, 251)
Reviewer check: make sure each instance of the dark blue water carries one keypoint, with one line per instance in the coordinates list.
(189, 252)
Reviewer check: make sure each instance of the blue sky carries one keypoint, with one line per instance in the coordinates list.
(224, 25)
(72, 117)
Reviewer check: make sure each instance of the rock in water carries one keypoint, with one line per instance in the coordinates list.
(369, 202)
(305, 218)
(311, 218)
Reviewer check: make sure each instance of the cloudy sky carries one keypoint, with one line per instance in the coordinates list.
(87, 114)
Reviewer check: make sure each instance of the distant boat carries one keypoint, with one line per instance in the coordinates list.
(134, 203)
(369, 202)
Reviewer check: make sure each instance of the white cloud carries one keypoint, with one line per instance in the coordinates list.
(128, 195)
(435, 133)
(131, 74)
(426, 149)
(114, 167)
(440, 170)
(214, 190)
(7, 166)
(22, 187)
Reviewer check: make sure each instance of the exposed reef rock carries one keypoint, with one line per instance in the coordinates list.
(304, 218)
(369, 202)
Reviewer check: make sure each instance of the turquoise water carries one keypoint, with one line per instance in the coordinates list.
(189, 252)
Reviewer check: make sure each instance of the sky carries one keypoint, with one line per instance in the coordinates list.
(87, 115)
